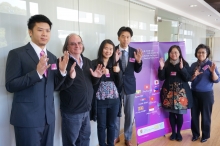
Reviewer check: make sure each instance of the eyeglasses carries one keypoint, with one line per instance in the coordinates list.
(201, 52)
(75, 44)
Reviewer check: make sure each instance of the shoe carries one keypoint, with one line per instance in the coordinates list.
(195, 138)
(128, 143)
(203, 140)
(179, 137)
(173, 136)
(116, 140)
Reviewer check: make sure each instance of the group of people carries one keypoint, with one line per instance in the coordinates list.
(96, 90)
(88, 90)
(176, 95)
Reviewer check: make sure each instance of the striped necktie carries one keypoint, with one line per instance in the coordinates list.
(42, 54)
(123, 60)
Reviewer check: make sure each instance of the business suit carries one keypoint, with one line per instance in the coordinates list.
(127, 91)
(33, 102)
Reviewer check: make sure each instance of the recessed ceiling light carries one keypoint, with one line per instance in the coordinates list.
(209, 15)
(193, 6)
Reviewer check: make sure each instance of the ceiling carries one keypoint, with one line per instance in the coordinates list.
(214, 3)
(202, 13)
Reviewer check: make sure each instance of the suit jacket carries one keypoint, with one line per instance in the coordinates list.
(33, 100)
(129, 80)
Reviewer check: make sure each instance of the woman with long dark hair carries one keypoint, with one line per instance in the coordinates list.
(176, 96)
(106, 102)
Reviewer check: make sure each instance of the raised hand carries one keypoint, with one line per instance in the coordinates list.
(212, 67)
(181, 63)
(138, 55)
(42, 65)
(161, 61)
(197, 73)
(117, 55)
(105, 71)
(72, 71)
(116, 68)
(98, 71)
(63, 62)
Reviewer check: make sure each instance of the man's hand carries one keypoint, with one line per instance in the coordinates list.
(73, 71)
(63, 63)
(42, 65)
(138, 55)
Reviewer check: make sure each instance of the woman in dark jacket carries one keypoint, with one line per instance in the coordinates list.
(204, 74)
(106, 102)
(176, 96)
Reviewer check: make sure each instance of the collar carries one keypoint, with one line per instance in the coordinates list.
(126, 49)
(37, 49)
(80, 57)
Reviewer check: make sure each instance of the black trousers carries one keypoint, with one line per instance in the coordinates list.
(202, 104)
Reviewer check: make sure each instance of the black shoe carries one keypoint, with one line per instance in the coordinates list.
(179, 137)
(195, 138)
(173, 136)
(203, 140)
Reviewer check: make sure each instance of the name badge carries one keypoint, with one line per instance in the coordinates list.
(54, 66)
(107, 75)
(131, 59)
(205, 67)
(173, 73)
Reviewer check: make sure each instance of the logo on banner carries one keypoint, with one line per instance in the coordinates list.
(152, 98)
(151, 108)
(156, 82)
(140, 108)
(147, 87)
(143, 99)
(156, 89)
(138, 91)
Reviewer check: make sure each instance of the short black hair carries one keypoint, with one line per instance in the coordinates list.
(123, 28)
(36, 19)
(202, 46)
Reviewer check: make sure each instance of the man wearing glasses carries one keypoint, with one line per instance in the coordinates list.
(76, 96)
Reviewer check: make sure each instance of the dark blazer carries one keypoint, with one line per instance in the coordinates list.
(129, 80)
(33, 102)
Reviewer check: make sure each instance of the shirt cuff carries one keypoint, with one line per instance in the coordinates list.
(40, 76)
(63, 74)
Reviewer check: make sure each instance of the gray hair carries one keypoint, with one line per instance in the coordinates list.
(67, 41)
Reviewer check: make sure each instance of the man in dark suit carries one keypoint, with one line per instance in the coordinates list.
(130, 62)
(32, 76)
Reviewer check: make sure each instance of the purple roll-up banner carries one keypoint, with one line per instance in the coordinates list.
(151, 120)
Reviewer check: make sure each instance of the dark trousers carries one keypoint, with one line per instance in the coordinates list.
(76, 129)
(107, 111)
(34, 136)
(202, 104)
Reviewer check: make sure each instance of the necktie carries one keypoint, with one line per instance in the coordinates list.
(42, 54)
(123, 60)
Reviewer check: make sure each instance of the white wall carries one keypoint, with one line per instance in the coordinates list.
(99, 19)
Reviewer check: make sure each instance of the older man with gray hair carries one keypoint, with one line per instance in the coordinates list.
(76, 94)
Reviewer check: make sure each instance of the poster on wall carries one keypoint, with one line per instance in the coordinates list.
(150, 120)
